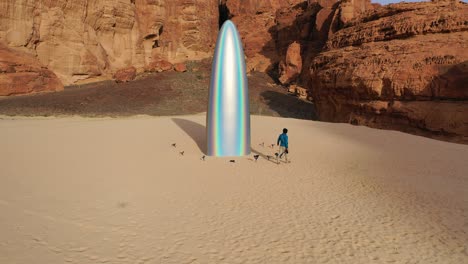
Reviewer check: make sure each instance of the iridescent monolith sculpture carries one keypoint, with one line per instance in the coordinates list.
(228, 116)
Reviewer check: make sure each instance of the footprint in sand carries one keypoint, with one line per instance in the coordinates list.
(79, 249)
(122, 205)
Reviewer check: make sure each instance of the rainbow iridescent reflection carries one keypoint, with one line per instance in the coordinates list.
(228, 116)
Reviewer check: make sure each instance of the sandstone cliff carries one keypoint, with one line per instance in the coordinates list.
(83, 39)
(22, 73)
(92, 39)
(256, 22)
(402, 66)
(311, 24)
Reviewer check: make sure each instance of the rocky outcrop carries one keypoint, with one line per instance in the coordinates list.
(125, 75)
(291, 67)
(400, 22)
(159, 66)
(402, 66)
(351, 9)
(255, 21)
(21, 73)
(296, 25)
(83, 39)
(310, 24)
(180, 67)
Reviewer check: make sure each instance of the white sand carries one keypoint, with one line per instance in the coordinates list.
(75, 190)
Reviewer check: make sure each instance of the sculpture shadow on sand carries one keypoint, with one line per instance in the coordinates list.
(198, 133)
(194, 130)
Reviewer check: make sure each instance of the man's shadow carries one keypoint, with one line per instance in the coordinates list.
(270, 158)
(194, 130)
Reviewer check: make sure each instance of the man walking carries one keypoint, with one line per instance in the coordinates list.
(283, 143)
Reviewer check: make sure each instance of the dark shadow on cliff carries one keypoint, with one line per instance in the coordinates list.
(224, 13)
(194, 130)
(289, 105)
(451, 85)
(301, 28)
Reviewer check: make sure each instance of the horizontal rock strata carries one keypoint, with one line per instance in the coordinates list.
(21, 73)
(402, 66)
(84, 39)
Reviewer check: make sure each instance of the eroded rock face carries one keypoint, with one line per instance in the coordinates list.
(125, 75)
(291, 67)
(310, 24)
(255, 20)
(402, 66)
(21, 73)
(159, 66)
(351, 9)
(180, 67)
(401, 21)
(83, 39)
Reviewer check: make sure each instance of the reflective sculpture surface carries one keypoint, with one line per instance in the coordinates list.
(228, 116)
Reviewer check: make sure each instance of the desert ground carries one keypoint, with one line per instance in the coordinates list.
(155, 94)
(115, 190)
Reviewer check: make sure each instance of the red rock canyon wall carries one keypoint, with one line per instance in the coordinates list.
(402, 66)
(85, 39)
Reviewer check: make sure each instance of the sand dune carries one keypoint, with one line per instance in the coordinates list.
(76, 190)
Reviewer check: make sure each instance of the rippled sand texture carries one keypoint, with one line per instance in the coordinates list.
(77, 190)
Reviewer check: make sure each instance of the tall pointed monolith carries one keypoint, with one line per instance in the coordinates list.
(228, 116)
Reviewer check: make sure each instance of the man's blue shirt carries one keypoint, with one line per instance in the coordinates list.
(283, 140)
